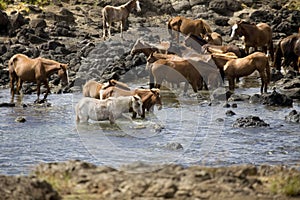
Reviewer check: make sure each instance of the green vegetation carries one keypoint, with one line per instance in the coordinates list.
(288, 185)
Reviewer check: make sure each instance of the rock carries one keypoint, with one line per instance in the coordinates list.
(20, 119)
(180, 5)
(293, 116)
(221, 94)
(174, 146)
(7, 104)
(250, 121)
(4, 23)
(230, 113)
(239, 97)
(38, 23)
(226, 7)
(234, 105)
(16, 20)
(19, 188)
(276, 99)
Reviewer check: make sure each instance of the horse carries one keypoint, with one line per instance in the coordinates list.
(245, 66)
(141, 46)
(92, 88)
(112, 14)
(213, 38)
(239, 52)
(221, 59)
(196, 42)
(111, 108)
(186, 26)
(255, 35)
(289, 49)
(22, 68)
(149, 97)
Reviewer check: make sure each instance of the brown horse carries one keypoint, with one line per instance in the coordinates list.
(259, 35)
(289, 49)
(186, 26)
(213, 38)
(22, 68)
(149, 97)
(112, 14)
(239, 52)
(92, 88)
(141, 46)
(245, 66)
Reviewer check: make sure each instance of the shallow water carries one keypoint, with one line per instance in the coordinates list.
(50, 134)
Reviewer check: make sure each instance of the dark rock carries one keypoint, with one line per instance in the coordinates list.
(276, 99)
(174, 146)
(38, 23)
(230, 113)
(16, 20)
(7, 105)
(250, 121)
(293, 116)
(19, 188)
(181, 5)
(226, 7)
(234, 105)
(4, 23)
(20, 119)
(226, 105)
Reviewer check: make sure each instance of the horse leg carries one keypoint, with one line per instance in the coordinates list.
(19, 85)
(38, 91)
(48, 89)
(231, 83)
(109, 27)
(186, 85)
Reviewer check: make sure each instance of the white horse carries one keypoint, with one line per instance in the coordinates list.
(112, 14)
(111, 108)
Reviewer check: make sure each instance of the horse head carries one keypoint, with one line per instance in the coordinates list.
(137, 47)
(156, 97)
(137, 104)
(63, 74)
(133, 4)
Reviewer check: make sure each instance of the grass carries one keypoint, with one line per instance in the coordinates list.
(288, 185)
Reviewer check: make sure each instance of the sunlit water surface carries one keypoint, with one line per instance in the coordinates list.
(50, 134)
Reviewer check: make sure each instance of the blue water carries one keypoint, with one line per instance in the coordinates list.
(50, 134)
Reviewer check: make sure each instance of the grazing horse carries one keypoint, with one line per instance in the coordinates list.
(23, 68)
(112, 14)
(289, 49)
(111, 108)
(245, 66)
(149, 97)
(255, 35)
(92, 88)
(213, 38)
(141, 46)
(239, 52)
(186, 26)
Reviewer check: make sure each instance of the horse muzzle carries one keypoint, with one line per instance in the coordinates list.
(159, 106)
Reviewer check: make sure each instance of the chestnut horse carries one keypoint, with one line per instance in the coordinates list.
(289, 49)
(112, 14)
(213, 38)
(149, 97)
(141, 46)
(259, 35)
(92, 88)
(23, 68)
(239, 52)
(186, 26)
(245, 66)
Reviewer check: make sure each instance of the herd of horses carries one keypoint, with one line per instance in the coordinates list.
(201, 60)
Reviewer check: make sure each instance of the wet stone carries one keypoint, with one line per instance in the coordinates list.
(293, 116)
(20, 119)
(230, 113)
(250, 121)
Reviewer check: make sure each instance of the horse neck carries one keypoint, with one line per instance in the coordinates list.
(129, 5)
(51, 67)
(247, 31)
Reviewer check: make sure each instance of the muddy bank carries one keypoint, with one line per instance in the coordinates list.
(80, 180)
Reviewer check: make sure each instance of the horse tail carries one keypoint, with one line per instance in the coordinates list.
(268, 71)
(277, 57)
(271, 49)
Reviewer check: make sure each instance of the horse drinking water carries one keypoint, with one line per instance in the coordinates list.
(22, 68)
(111, 108)
(120, 13)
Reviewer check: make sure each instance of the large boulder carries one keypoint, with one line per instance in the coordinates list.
(249, 121)
(293, 116)
(4, 23)
(226, 8)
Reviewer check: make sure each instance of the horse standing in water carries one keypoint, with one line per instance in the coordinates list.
(240, 67)
(259, 35)
(22, 68)
(120, 13)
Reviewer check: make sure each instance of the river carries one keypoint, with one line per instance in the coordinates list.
(188, 130)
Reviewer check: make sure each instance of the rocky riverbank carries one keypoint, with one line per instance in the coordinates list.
(80, 180)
